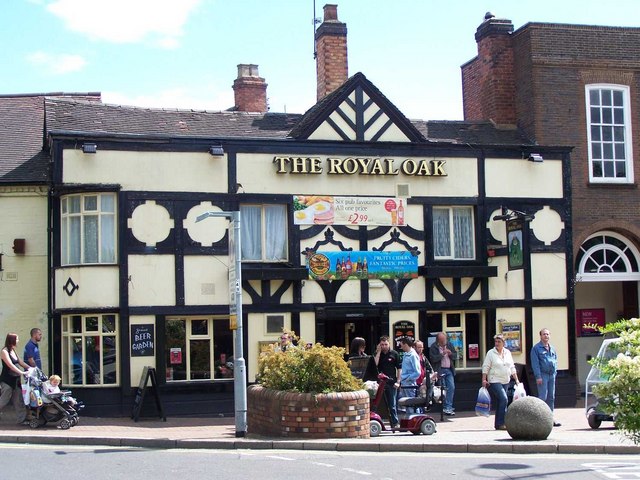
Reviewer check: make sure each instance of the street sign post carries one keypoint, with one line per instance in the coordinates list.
(235, 317)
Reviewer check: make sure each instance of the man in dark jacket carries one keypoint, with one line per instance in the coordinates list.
(388, 362)
(443, 356)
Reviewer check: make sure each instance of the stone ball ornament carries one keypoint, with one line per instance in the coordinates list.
(529, 418)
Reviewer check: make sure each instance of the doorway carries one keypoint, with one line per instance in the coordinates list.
(339, 326)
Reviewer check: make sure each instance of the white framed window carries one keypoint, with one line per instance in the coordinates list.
(264, 233)
(198, 348)
(453, 233)
(88, 228)
(609, 133)
(90, 354)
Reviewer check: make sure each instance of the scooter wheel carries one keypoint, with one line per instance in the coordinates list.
(593, 420)
(374, 428)
(428, 427)
(65, 424)
(33, 423)
(74, 421)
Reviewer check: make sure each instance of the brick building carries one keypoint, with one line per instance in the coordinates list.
(575, 85)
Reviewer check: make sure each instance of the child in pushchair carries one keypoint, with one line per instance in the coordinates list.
(50, 404)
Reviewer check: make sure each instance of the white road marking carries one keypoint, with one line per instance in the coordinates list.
(615, 470)
(359, 472)
(320, 464)
(277, 457)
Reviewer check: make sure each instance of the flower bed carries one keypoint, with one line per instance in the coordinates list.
(305, 415)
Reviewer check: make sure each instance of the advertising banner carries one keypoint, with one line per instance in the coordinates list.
(328, 210)
(588, 321)
(359, 265)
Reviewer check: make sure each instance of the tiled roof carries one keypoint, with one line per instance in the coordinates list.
(116, 119)
(22, 126)
(22, 158)
(472, 133)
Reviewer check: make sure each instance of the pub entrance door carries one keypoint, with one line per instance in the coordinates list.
(339, 326)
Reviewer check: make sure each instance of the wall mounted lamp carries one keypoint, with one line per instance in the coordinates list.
(508, 214)
(89, 148)
(535, 157)
(216, 150)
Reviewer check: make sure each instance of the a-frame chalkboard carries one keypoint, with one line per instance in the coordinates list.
(147, 373)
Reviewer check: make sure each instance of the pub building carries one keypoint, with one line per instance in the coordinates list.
(355, 221)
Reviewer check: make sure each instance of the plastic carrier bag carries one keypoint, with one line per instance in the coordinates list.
(483, 403)
(519, 392)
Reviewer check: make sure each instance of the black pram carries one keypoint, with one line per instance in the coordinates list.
(56, 408)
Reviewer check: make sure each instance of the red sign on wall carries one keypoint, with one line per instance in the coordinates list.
(588, 320)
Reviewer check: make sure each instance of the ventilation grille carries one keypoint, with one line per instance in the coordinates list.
(402, 190)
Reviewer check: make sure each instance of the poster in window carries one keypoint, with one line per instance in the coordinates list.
(512, 333)
(175, 356)
(588, 321)
(456, 339)
(474, 352)
(515, 229)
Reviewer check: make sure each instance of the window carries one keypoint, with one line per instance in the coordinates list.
(607, 256)
(88, 228)
(609, 133)
(198, 349)
(453, 233)
(264, 233)
(90, 350)
(465, 331)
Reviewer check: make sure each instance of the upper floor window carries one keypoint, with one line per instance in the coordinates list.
(609, 133)
(264, 233)
(88, 228)
(453, 233)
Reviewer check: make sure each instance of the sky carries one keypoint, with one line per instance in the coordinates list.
(184, 53)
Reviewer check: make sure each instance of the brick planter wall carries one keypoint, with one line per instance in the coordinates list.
(304, 415)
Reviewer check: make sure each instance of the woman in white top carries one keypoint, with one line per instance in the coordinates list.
(497, 369)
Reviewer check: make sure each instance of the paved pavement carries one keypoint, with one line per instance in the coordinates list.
(465, 432)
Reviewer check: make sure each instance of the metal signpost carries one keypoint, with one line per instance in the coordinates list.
(235, 317)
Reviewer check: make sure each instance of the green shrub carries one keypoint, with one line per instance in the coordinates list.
(620, 396)
(312, 369)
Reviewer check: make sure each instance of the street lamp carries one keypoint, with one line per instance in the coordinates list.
(235, 317)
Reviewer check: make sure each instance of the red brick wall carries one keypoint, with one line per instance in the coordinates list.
(304, 415)
(553, 64)
(250, 94)
(331, 64)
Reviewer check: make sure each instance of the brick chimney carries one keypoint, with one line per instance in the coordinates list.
(250, 90)
(488, 81)
(331, 52)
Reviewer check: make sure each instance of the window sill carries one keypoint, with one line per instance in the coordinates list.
(622, 186)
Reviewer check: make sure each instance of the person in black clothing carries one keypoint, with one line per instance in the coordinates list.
(10, 384)
(388, 362)
(358, 345)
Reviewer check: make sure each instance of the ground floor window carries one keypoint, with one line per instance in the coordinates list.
(198, 348)
(465, 331)
(90, 350)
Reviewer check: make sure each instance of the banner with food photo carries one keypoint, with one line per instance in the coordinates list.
(329, 210)
(361, 265)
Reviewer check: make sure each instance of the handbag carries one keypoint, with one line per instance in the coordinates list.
(483, 403)
(519, 392)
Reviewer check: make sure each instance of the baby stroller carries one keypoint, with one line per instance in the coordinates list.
(46, 407)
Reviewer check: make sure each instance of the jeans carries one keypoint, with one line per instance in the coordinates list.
(547, 390)
(390, 396)
(499, 393)
(411, 393)
(449, 384)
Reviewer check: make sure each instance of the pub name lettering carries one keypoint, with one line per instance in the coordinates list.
(359, 166)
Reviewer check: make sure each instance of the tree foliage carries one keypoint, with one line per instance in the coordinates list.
(620, 396)
(309, 369)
